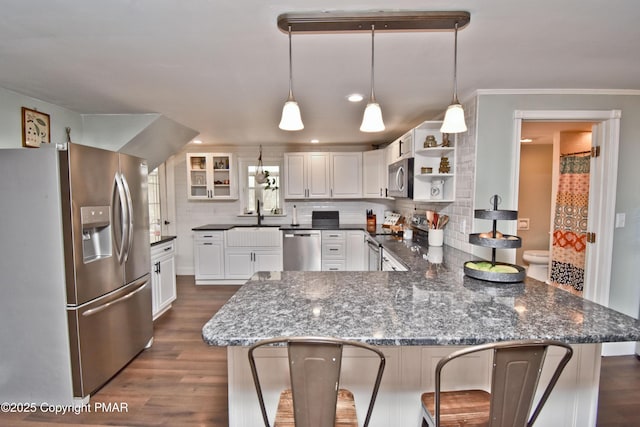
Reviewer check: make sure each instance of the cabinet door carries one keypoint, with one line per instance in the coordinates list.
(167, 285)
(295, 182)
(209, 260)
(318, 176)
(393, 152)
(155, 288)
(356, 254)
(373, 166)
(406, 145)
(238, 264)
(198, 176)
(346, 175)
(267, 261)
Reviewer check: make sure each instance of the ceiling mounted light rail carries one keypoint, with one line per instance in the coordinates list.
(409, 20)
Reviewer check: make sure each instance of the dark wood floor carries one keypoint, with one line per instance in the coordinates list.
(182, 382)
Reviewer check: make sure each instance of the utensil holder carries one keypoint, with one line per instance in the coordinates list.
(436, 237)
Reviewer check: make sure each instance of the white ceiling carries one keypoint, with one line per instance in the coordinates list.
(220, 66)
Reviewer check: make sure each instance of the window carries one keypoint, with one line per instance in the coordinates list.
(155, 222)
(268, 193)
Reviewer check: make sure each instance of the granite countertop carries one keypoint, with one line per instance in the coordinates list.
(223, 227)
(433, 304)
(157, 240)
(214, 227)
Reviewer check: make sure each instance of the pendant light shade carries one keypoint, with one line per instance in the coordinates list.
(454, 120)
(454, 117)
(291, 119)
(372, 119)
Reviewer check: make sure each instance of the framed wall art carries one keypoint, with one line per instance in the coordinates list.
(36, 128)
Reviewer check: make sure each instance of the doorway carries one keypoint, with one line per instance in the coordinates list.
(544, 147)
(602, 188)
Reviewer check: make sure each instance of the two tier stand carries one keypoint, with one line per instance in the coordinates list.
(496, 271)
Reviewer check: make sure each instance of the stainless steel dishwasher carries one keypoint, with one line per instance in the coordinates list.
(302, 250)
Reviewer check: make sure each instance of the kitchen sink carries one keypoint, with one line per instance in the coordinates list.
(253, 236)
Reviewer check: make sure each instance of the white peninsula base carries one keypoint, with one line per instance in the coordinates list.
(409, 372)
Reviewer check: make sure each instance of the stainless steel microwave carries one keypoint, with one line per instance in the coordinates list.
(400, 182)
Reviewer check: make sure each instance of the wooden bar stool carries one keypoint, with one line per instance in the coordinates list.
(315, 398)
(516, 371)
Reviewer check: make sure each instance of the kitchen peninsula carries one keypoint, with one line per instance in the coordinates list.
(417, 317)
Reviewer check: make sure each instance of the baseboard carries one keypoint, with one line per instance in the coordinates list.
(618, 348)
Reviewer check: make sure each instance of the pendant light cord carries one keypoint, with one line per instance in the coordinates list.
(455, 66)
(290, 70)
(372, 97)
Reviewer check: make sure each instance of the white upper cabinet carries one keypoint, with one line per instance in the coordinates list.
(374, 174)
(211, 176)
(401, 148)
(318, 175)
(346, 175)
(306, 175)
(322, 175)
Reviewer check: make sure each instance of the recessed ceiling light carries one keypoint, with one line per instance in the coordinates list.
(315, 141)
(355, 97)
(197, 141)
(526, 140)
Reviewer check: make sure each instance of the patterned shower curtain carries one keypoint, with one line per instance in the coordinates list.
(570, 224)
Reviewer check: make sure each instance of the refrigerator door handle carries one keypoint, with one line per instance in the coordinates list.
(128, 218)
(106, 305)
(120, 248)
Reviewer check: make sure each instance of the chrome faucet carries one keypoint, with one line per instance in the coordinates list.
(260, 217)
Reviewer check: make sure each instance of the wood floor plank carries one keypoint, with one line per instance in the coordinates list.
(182, 382)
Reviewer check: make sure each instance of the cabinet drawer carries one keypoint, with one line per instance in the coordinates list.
(328, 235)
(333, 250)
(333, 265)
(209, 236)
(168, 248)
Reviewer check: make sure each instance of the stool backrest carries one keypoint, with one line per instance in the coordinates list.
(517, 366)
(314, 368)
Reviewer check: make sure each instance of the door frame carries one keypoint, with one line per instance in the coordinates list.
(599, 255)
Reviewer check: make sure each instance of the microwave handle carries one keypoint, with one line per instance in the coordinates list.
(400, 178)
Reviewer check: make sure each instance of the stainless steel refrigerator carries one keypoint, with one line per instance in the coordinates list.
(75, 270)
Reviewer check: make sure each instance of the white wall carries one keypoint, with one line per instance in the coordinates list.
(11, 120)
(495, 152)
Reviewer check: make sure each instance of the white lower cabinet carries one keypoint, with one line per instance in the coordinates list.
(343, 250)
(241, 264)
(357, 256)
(208, 255)
(390, 263)
(163, 277)
(248, 250)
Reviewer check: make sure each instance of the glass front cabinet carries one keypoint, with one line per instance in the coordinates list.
(211, 176)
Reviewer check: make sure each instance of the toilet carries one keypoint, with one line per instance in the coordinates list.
(538, 261)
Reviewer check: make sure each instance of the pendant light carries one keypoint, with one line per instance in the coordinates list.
(454, 117)
(291, 119)
(372, 119)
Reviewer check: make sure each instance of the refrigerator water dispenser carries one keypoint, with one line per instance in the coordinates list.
(96, 232)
